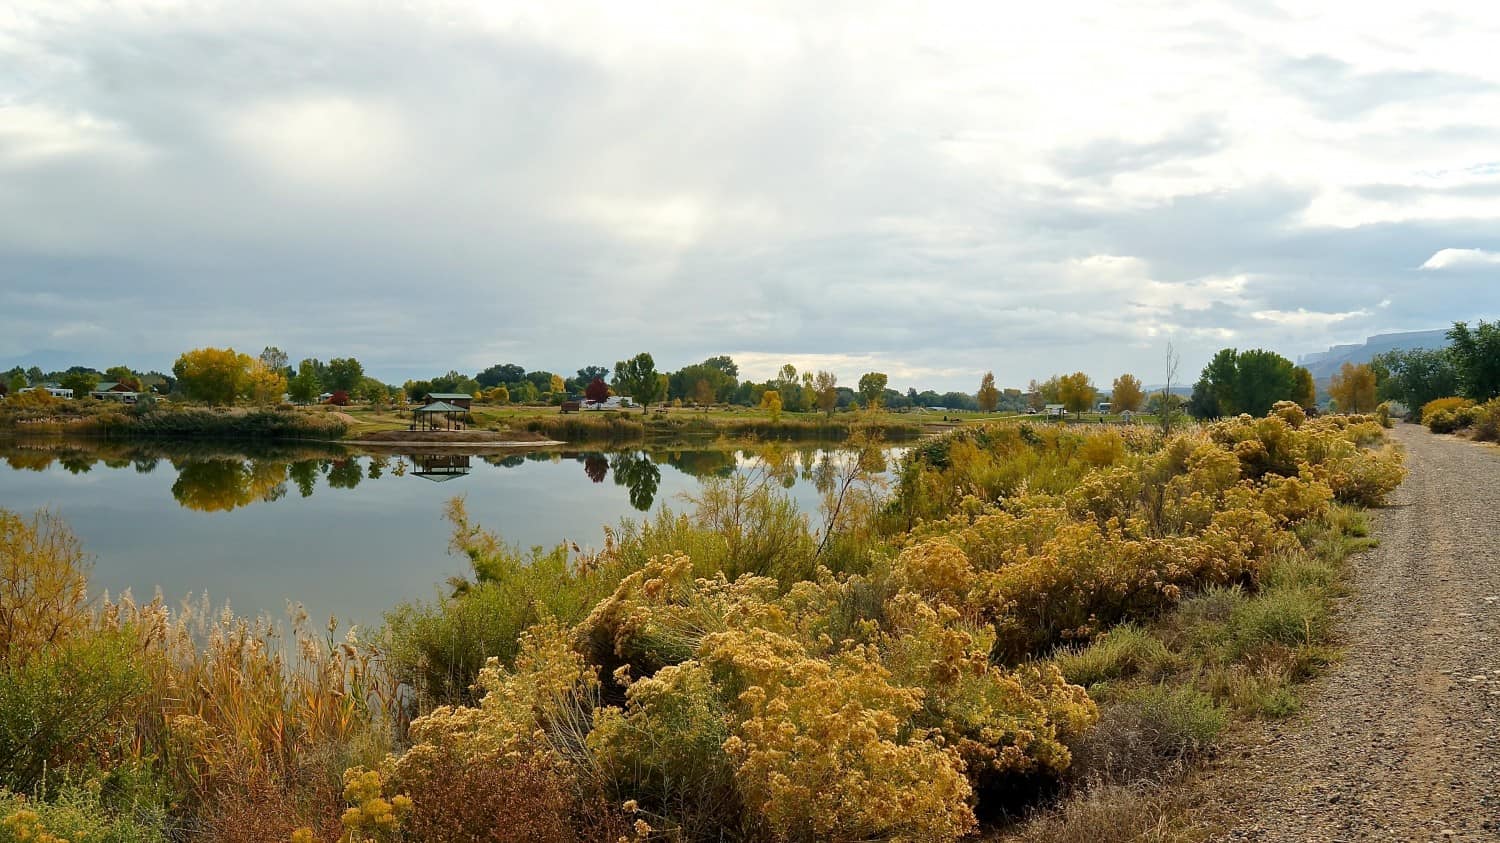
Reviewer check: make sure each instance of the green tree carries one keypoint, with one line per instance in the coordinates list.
(684, 382)
(1416, 376)
(344, 374)
(17, 383)
(123, 374)
(82, 383)
(1476, 355)
(588, 374)
(1265, 377)
(871, 388)
(1076, 392)
(988, 395)
(825, 387)
(1244, 382)
(1126, 394)
(304, 387)
(1304, 391)
(638, 378)
(508, 374)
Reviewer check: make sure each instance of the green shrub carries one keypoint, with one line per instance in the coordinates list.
(1289, 617)
(77, 816)
(1181, 720)
(65, 705)
(193, 422)
(1123, 652)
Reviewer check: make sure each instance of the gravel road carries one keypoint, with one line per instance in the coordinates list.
(1401, 739)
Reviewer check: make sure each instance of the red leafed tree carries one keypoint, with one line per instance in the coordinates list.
(597, 390)
(339, 398)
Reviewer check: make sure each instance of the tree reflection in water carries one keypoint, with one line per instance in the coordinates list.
(211, 479)
(638, 473)
(220, 485)
(596, 466)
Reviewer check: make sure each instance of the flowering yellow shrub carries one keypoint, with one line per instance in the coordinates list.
(820, 749)
(1439, 405)
(936, 569)
(25, 826)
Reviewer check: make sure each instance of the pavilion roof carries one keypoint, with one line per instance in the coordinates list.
(440, 407)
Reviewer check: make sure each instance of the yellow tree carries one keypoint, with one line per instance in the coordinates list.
(263, 384)
(1354, 388)
(212, 375)
(1126, 396)
(988, 396)
(703, 393)
(825, 384)
(1075, 392)
(771, 400)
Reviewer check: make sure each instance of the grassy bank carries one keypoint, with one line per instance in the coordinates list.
(1030, 609)
(618, 427)
(160, 420)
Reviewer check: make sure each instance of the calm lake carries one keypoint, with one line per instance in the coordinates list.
(341, 531)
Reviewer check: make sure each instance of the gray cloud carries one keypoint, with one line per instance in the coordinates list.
(433, 188)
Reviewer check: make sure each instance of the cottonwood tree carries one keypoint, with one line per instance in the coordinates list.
(344, 374)
(871, 388)
(304, 387)
(1354, 388)
(1076, 392)
(1251, 381)
(988, 395)
(215, 376)
(826, 388)
(771, 400)
(638, 378)
(263, 384)
(82, 383)
(1476, 354)
(1126, 394)
(1416, 376)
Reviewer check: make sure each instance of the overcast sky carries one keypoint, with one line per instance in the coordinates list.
(929, 190)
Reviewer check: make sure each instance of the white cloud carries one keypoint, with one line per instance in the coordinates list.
(1460, 258)
(1302, 318)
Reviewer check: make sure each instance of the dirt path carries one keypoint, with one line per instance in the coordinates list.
(1401, 741)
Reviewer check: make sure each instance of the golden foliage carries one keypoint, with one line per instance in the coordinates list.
(43, 585)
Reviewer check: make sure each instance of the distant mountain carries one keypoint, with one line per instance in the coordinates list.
(48, 360)
(1325, 364)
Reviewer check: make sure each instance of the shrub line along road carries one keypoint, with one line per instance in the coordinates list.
(1401, 739)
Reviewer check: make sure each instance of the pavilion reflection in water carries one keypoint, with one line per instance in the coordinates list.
(440, 467)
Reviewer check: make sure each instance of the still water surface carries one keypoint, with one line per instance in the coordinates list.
(342, 532)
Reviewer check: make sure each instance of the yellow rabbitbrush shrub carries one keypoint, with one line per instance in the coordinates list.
(1451, 404)
(819, 746)
(1127, 540)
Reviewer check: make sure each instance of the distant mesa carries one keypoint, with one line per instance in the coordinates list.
(1326, 364)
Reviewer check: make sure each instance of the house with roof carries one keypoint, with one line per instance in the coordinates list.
(114, 391)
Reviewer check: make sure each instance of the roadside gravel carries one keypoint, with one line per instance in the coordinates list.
(1401, 739)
